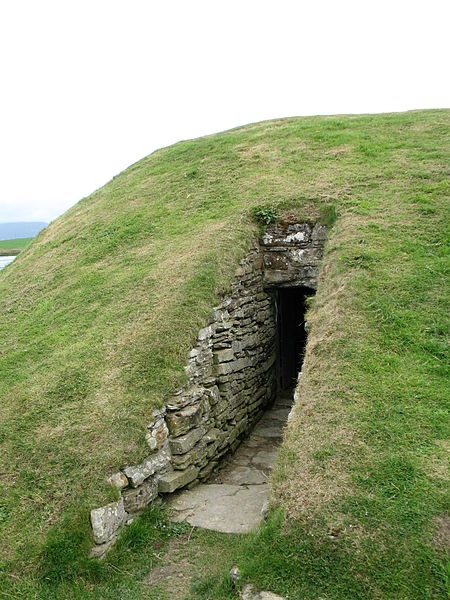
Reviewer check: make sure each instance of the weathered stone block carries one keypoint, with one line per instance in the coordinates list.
(106, 521)
(222, 356)
(212, 394)
(184, 443)
(224, 325)
(159, 462)
(205, 333)
(137, 499)
(182, 421)
(232, 367)
(319, 233)
(99, 550)
(207, 470)
(157, 436)
(277, 261)
(212, 436)
(174, 480)
(182, 461)
(157, 415)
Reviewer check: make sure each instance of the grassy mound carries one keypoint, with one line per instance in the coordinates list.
(99, 312)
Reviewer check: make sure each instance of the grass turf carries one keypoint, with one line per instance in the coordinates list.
(125, 279)
(13, 247)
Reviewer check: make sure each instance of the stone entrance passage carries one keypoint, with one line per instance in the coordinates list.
(241, 373)
(236, 499)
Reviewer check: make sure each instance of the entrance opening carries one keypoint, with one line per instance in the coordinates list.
(291, 335)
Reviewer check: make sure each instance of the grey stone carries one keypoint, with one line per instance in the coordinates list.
(137, 499)
(205, 333)
(319, 233)
(99, 550)
(250, 593)
(205, 473)
(186, 397)
(213, 395)
(176, 479)
(268, 431)
(157, 463)
(225, 508)
(106, 521)
(157, 435)
(182, 461)
(184, 420)
(182, 444)
(232, 367)
(241, 475)
(222, 356)
(212, 436)
(235, 575)
(265, 510)
(119, 480)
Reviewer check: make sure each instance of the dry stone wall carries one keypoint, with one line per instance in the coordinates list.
(292, 255)
(231, 381)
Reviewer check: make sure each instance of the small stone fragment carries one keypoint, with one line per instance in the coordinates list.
(151, 441)
(118, 480)
(235, 575)
(212, 436)
(156, 436)
(249, 593)
(205, 333)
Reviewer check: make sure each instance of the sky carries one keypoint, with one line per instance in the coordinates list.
(89, 87)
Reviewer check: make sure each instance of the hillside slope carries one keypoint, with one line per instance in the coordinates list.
(99, 312)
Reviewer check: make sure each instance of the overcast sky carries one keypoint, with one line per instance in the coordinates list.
(89, 87)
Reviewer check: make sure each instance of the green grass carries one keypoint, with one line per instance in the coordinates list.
(13, 247)
(99, 312)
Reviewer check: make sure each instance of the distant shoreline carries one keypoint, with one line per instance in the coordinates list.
(13, 247)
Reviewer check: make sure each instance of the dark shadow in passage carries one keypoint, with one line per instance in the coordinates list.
(291, 335)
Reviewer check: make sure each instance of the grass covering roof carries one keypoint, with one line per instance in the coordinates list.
(99, 311)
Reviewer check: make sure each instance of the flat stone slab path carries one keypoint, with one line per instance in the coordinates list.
(235, 500)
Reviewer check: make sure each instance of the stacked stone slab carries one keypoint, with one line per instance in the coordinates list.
(292, 254)
(231, 380)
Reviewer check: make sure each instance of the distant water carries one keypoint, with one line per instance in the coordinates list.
(5, 260)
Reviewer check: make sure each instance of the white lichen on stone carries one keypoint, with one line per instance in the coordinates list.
(295, 237)
(107, 520)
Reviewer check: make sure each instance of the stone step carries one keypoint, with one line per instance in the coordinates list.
(222, 507)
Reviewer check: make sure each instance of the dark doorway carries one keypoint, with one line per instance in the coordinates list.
(291, 334)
